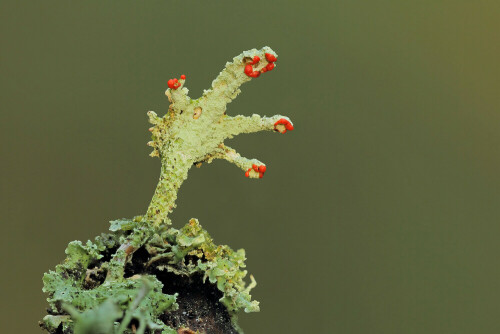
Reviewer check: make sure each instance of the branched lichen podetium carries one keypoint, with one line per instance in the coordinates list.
(193, 131)
(146, 276)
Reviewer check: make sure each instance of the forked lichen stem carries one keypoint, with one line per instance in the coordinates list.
(193, 131)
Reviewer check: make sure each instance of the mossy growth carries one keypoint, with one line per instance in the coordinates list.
(146, 276)
(90, 281)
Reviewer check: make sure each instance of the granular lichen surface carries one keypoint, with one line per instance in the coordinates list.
(146, 276)
(193, 131)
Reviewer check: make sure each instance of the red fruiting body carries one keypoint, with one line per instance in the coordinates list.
(286, 123)
(183, 77)
(173, 83)
(248, 69)
(271, 58)
(269, 67)
(261, 169)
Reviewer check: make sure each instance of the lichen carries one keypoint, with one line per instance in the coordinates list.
(184, 252)
(125, 281)
(193, 131)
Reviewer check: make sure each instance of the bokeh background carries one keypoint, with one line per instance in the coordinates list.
(378, 214)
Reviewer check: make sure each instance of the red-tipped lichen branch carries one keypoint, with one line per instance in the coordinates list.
(253, 168)
(194, 131)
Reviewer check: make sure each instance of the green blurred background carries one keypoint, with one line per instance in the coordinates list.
(378, 214)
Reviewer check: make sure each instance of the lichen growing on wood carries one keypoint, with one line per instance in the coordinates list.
(146, 276)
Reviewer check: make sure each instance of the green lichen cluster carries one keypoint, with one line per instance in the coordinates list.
(87, 280)
(116, 283)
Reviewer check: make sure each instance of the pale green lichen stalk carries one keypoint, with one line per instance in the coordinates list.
(194, 131)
